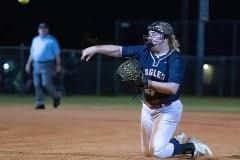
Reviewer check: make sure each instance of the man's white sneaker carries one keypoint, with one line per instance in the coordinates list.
(181, 138)
(201, 149)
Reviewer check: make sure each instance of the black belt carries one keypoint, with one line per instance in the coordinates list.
(157, 106)
(49, 61)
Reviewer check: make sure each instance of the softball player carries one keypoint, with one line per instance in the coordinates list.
(162, 109)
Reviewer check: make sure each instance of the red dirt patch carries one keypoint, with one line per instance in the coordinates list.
(102, 134)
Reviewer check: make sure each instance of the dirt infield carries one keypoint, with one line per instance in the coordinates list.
(102, 134)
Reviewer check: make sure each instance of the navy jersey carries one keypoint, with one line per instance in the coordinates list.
(167, 68)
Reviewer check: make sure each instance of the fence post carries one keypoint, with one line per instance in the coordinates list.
(233, 60)
(116, 38)
(203, 17)
(98, 75)
(21, 69)
(221, 76)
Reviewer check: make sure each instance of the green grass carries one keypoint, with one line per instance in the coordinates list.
(220, 104)
(190, 103)
(103, 101)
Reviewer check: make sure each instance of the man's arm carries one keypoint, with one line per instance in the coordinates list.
(58, 63)
(108, 50)
(28, 64)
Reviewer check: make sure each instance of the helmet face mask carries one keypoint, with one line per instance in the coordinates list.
(153, 38)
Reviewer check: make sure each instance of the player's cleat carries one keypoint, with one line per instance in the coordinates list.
(201, 149)
(40, 107)
(56, 102)
(181, 138)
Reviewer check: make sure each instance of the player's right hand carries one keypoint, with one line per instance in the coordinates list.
(28, 68)
(87, 53)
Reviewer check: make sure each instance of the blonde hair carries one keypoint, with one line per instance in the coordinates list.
(173, 43)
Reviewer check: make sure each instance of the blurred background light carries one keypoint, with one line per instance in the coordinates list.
(208, 73)
(6, 66)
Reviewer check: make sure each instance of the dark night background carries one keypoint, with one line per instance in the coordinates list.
(78, 24)
(72, 21)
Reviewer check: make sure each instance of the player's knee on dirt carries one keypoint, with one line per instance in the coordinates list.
(161, 151)
(158, 153)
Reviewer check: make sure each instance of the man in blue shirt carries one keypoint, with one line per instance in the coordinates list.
(163, 67)
(46, 61)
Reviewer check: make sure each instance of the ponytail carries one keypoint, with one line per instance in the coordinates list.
(173, 43)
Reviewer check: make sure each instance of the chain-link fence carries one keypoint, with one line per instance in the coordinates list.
(218, 66)
(97, 77)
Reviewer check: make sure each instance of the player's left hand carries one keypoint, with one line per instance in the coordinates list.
(131, 73)
(58, 68)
